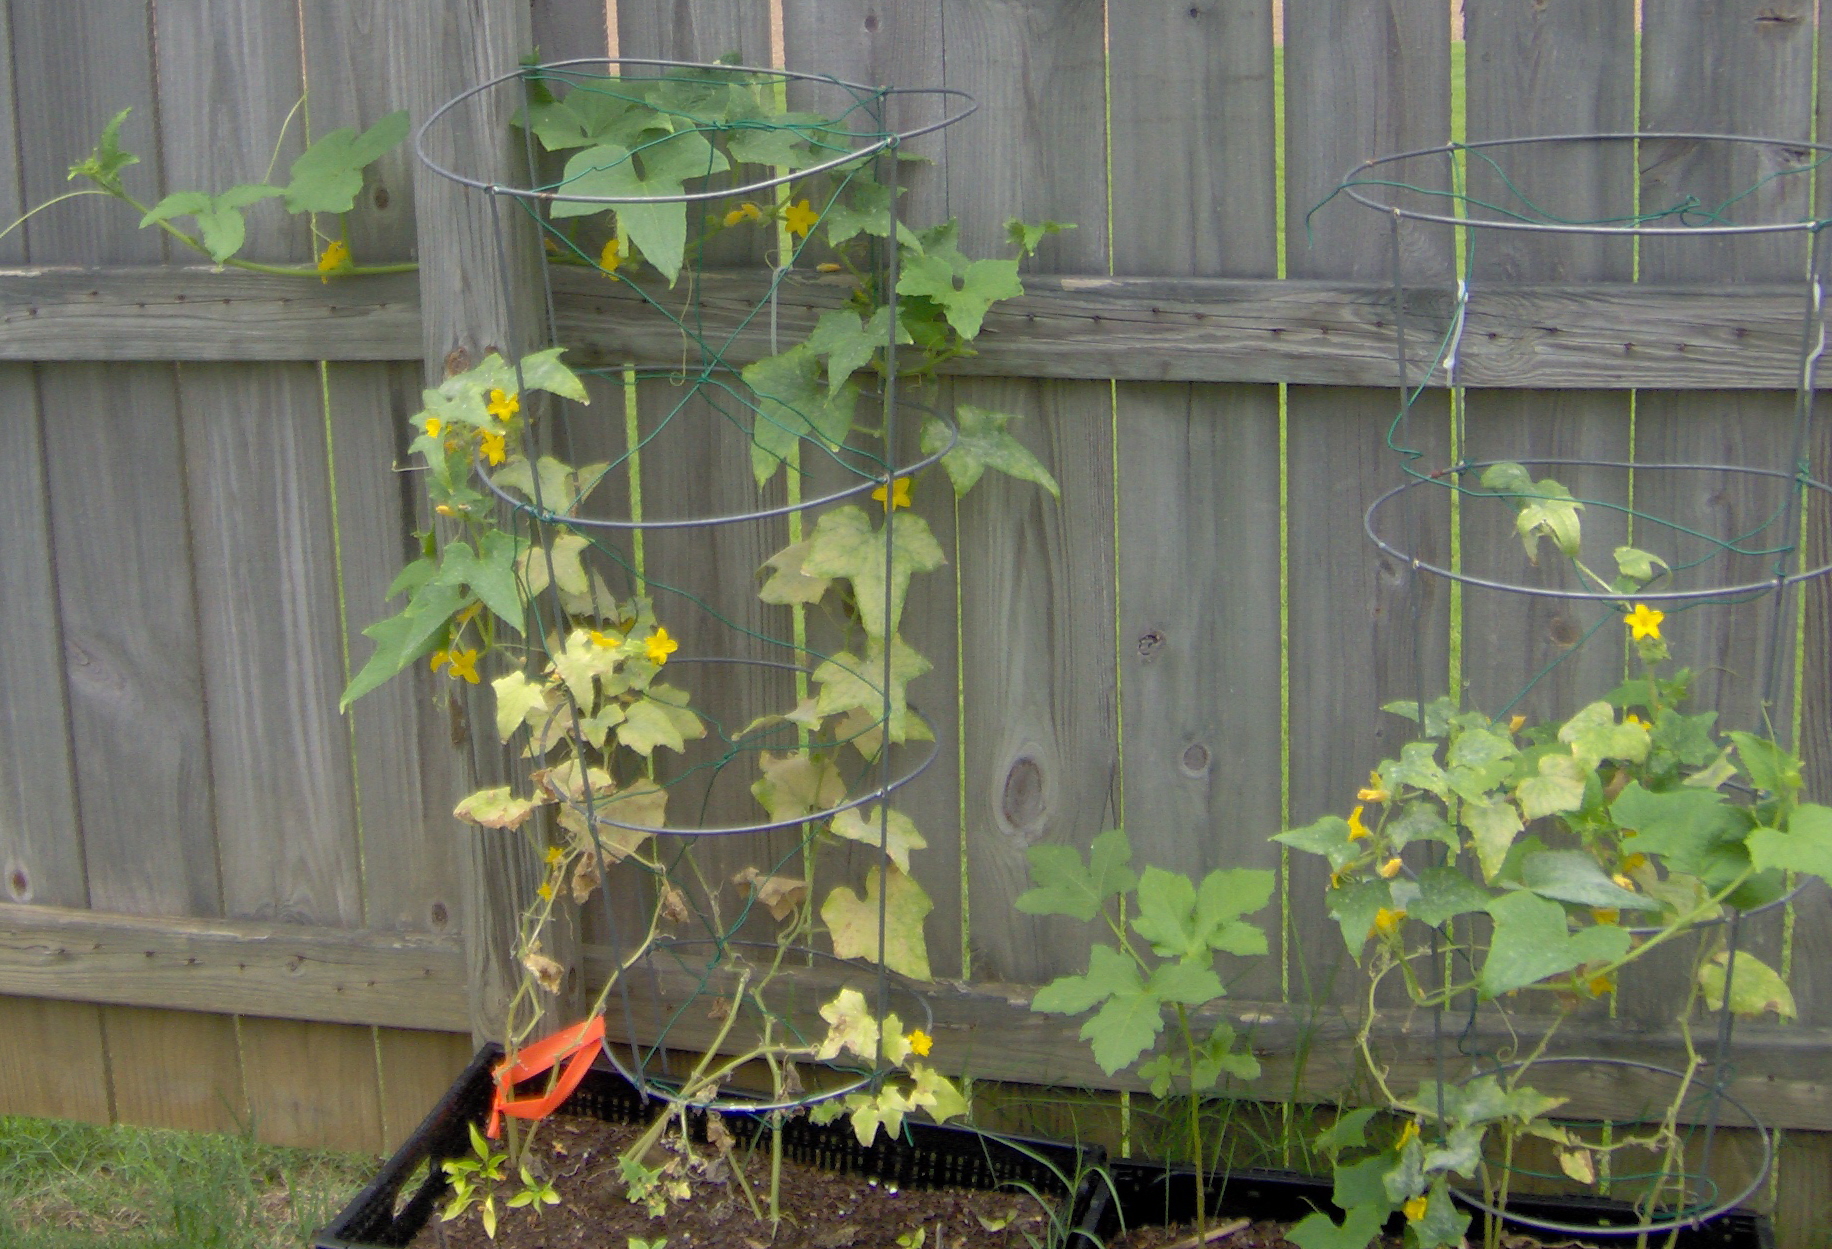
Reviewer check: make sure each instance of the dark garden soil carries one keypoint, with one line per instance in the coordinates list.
(821, 1210)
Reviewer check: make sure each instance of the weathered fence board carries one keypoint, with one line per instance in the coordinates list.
(1197, 473)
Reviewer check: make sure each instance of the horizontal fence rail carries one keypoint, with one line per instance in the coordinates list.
(1594, 336)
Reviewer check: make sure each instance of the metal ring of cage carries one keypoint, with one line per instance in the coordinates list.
(1691, 1219)
(649, 1087)
(1767, 585)
(881, 142)
(885, 787)
(1351, 186)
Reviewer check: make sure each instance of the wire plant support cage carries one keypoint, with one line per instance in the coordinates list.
(645, 175)
(1729, 536)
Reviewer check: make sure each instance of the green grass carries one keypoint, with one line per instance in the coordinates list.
(75, 1186)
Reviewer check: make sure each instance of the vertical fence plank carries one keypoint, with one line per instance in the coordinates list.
(1726, 69)
(417, 1068)
(1198, 467)
(176, 1069)
(565, 30)
(313, 1084)
(900, 45)
(54, 1062)
(1543, 70)
(1037, 659)
(1360, 81)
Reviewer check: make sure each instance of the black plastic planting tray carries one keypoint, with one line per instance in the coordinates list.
(1147, 1194)
(386, 1215)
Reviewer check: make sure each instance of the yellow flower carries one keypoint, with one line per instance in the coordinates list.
(1407, 1133)
(1605, 915)
(1634, 861)
(438, 659)
(660, 646)
(801, 217)
(546, 891)
(1637, 721)
(920, 1043)
(334, 259)
(606, 640)
(1387, 922)
(1375, 791)
(900, 494)
(746, 211)
(468, 614)
(503, 405)
(1644, 622)
(1415, 1208)
(1597, 986)
(1357, 830)
(554, 855)
(1390, 868)
(1514, 724)
(434, 425)
(1626, 882)
(464, 664)
(445, 509)
(610, 257)
(491, 444)
(826, 266)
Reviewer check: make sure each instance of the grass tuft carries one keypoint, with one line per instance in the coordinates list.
(77, 1186)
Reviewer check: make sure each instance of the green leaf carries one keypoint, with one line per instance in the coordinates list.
(1420, 820)
(646, 725)
(1167, 904)
(658, 230)
(1443, 1225)
(1349, 1131)
(852, 923)
(1769, 767)
(1681, 826)
(495, 808)
(849, 342)
(489, 572)
(107, 159)
(1108, 972)
(1461, 1152)
(864, 208)
(1806, 846)
(1686, 738)
(848, 682)
(399, 640)
(328, 176)
(1638, 564)
(1359, 1227)
(1544, 507)
(1755, 987)
(983, 443)
(847, 544)
(219, 218)
(789, 582)
(1362, 1183)
(1418, 767)
(1558, 787)
(1026, 235)
(1327, 836)
(1532, 942)
(1064, 885)
(591, 116)
(1354, 907)
(517, 698)
(1437, 713)
(542, 370)
(1445, 892)
(795, 785)
(1130, 1018)
(1191, 984)
(1573, 876)
(1479, 760)
(1222, 898)
(862, 825)
(1594, 736)
(776, 146)
(1492, 828)
(964, 289)
(793, 404)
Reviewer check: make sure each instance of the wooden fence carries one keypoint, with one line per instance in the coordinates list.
(223, 901)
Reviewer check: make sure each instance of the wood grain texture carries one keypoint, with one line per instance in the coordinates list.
(1198, 466)
(1805, 1204)
(41, 849)
(228, 74)
(175, 1069)
(1547, 69)
(242, 966)
(121, 540)
(417, 1068)
(1728, 68)
(312, 1084)
(1360, 80)
(476, 298)
(1041, 712)
(74, 67)
(1577, 336)
(1812, 946)
(266, 573)
(900, 44)
(400, 739)
(355, 56)
(53, 1060)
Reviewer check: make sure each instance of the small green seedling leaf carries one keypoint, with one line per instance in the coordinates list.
(1064, 885)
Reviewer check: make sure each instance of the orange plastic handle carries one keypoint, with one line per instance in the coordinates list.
(576, 1046)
